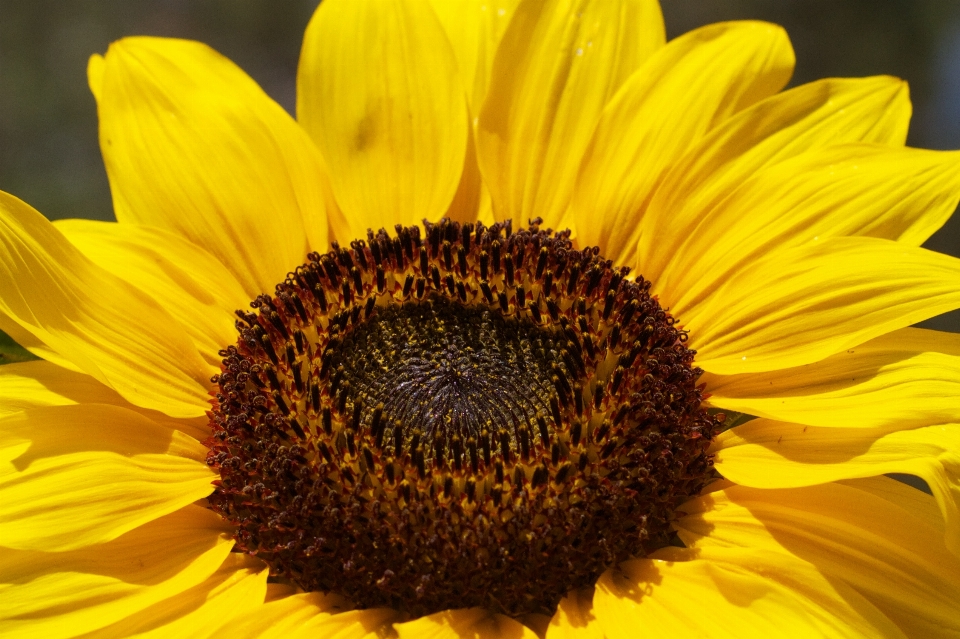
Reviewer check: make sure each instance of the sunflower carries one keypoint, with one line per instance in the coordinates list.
(531, 324)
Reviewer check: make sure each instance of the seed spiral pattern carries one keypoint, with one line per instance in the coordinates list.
(475, 417)
(411, 368)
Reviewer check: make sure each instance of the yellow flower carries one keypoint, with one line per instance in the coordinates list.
(782, 230)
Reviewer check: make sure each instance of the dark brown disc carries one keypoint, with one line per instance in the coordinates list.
(470, 416)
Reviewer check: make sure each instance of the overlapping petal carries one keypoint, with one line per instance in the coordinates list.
(557, 66)
(474, 29)
(35, 384)
(471, 622)
(379, 91)
(67, 594)
(238, 586)
(39, 384)
(686, 88)
(235, 587)
(186, 280)
(192, 145)
(876, 535)
(37, 348)
(804, 304)
(71, 476)
(811, 116)
(855, 189)
(103, 325)
(905, 379)
(768, 454)
(308, 615)
(731, 592)
(471, 201)
(575, 618)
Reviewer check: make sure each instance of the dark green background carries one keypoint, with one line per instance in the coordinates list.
(48, 138)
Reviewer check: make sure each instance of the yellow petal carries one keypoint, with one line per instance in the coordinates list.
(193, 285)
(66, 594)
(857, 189)
(804, 304)
(731, 592)
(96, 66)
(768, 454)
(905, 379)
(283, 617)
(38, 384)
(575, 618)
(372, 623)
(917, 502)
(236, 587)
(466, 203)
(307, 616)
(37, 348)
(378, 90)
(32, 344)
(470, 622)
(557, 66)
(868, 533)
(71, 476)
(474, 29)
(688, 87)
(34, 384)
(104, 326)
(224, 595)
(46, 432)
(805, 118)
(192, 145)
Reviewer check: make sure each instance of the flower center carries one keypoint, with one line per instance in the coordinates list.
(478, 418)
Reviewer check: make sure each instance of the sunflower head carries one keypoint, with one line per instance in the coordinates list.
(469, 417)
(461, 426)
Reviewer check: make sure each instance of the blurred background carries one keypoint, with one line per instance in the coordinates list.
(49, 154)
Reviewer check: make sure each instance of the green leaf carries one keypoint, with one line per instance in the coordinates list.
(11, 352)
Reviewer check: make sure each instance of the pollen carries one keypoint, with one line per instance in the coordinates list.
(467, 416)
